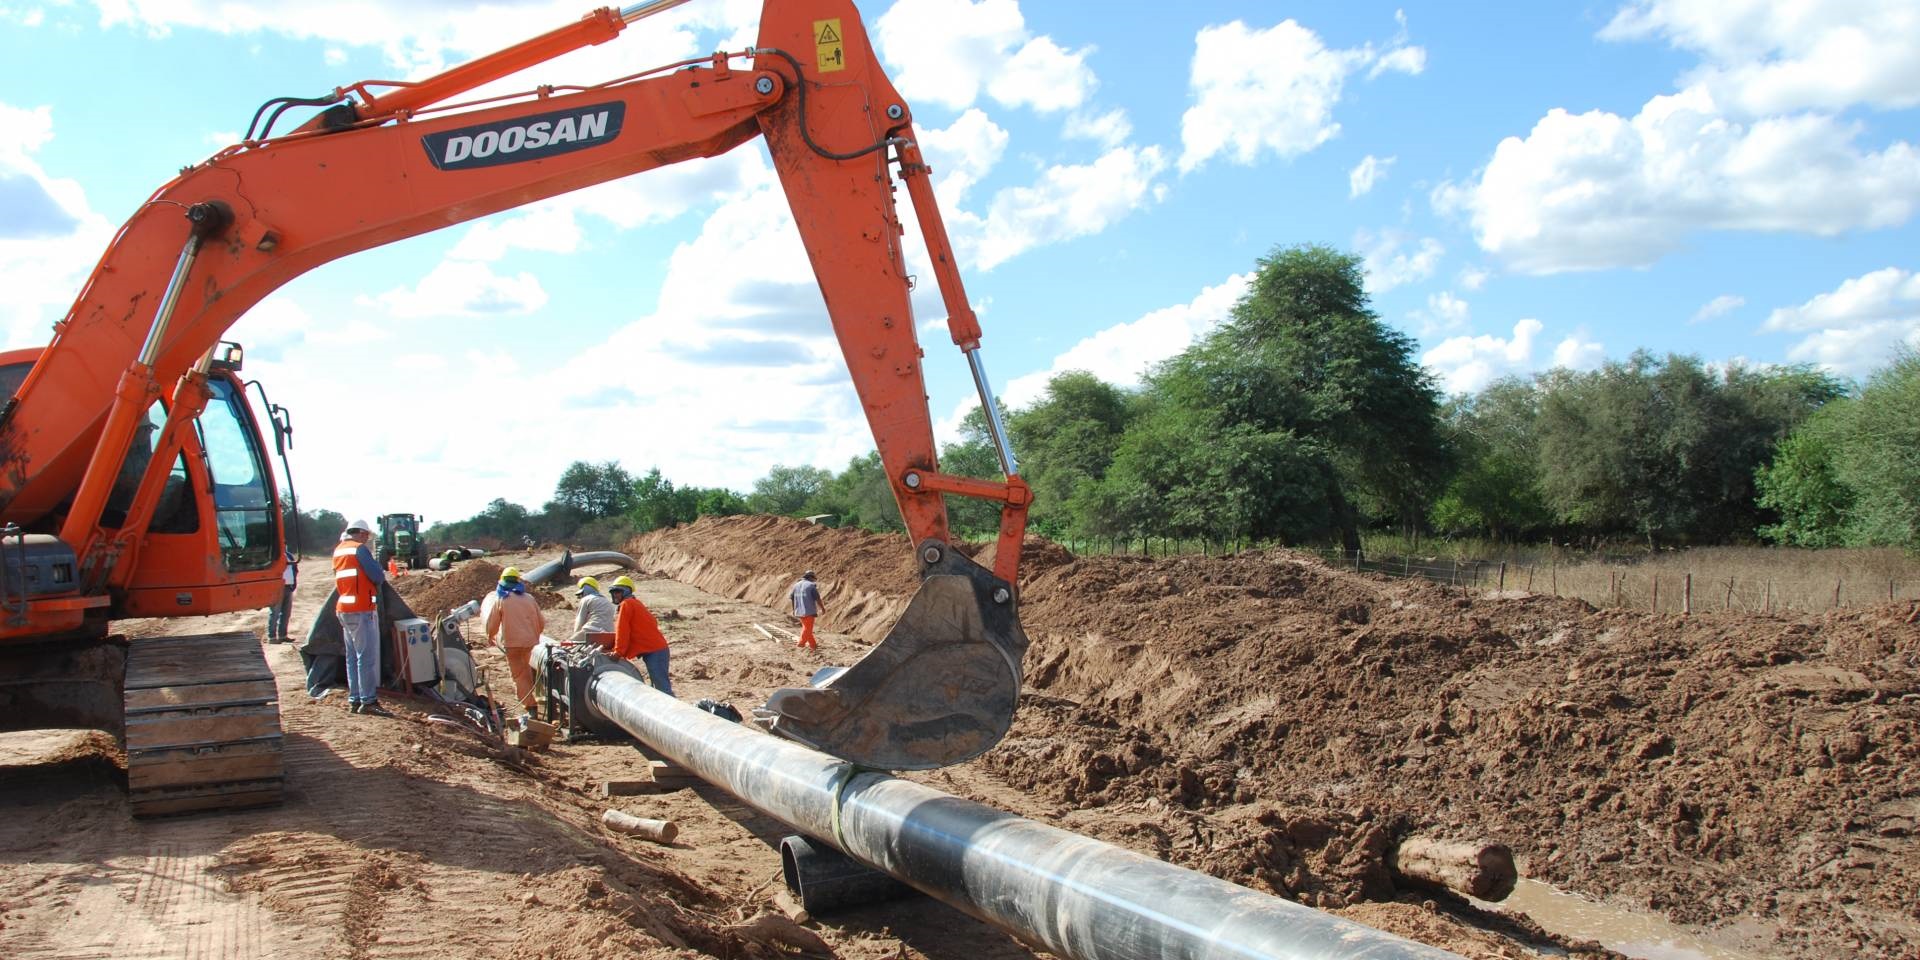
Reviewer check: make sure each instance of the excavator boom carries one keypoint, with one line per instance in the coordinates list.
(373, 168)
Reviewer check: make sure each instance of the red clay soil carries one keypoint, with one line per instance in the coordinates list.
(433, 594)
(1285, 723)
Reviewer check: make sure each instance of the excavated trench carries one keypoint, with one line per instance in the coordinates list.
(1283, 725)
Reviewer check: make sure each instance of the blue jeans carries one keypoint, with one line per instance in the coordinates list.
(360, 635)
(280, 615)
(656, 664)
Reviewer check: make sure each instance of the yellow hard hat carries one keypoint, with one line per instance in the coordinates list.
(624, 581)
(585, 584)
(510, 573)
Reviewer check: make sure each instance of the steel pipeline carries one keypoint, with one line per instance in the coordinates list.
(1076, 896)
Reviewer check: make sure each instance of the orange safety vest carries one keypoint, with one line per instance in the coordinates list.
(356, 588)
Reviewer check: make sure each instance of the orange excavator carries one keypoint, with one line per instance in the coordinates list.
(136, 481)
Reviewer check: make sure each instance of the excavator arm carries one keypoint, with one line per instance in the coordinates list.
(381, 166)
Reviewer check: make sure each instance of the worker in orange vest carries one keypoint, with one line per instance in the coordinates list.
(357, 580)
(515, 621)
(637, 636)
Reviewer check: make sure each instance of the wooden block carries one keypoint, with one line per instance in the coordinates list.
(625, 788)
(672, 776)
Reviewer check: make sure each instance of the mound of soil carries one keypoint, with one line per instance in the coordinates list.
(430, 596)
(1280, 723)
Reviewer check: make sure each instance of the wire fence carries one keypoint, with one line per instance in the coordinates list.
(1625, 586)
(1723, 581)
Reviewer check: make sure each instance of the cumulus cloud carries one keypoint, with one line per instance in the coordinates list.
(1392, 258)
(1465, 364)
(1596, 190)
(1473, 278)
(50, 237)
(1854, 329)
(1121, 353)
(1109, 129)
(1765, 57)
(949, 51)
(463, 288)
(1272, 90)
(1444, 312)
(1719, 306)
(1066, 201)
(1369, 171)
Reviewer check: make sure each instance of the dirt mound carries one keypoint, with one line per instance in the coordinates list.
(1280, 723)
(1037, 556)
(430, 596)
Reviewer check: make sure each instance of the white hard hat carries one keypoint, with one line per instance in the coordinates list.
(359, 525)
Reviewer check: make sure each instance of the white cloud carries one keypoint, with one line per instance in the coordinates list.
(961, 155)
(1465, 364)
(1388, 266)
(1577, 353)
(1718, 306)
(1369, 171)
(1854, 329)
(1121, 353)
(1473, 278)
(1444, 312)
(1109, 129)
(463, 288)
(948, 51)
(1067, 201)
(50, 238)
(1769, 57)
(1596, 190)
(1271, 90)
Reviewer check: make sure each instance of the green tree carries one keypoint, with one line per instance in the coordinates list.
(718, 502)
(786, 490)
(656, 503)
(595, 490)
(1495, 488)
(1065, 441)
(1802, 484)
(1880, 459)
(859, 496)
(973, 456)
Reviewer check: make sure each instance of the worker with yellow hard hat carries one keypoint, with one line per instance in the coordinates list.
(637, 635)
(593, 618)
(515, 622)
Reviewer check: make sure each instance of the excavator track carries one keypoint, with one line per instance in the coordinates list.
(202, 725)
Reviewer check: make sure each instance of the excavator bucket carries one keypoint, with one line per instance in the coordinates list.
(940, 689)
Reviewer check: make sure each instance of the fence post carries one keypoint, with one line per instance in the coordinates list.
(1769, 596)
(1656, 594)
(1503, 576)
(1729, 604)
(1529, 578)
(1553, 571)
(1453, 579)
(1836, 591)
(1356, 560)
(1889, 590)
(1613, 587)
(1686, 599)
(1406, 566)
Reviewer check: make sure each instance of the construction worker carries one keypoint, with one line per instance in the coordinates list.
(280, 615)
(358, 579)
(593, 619)
(514, 624)
(806, 606)
(637, 635)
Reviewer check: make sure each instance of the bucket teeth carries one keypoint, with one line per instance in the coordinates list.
(939, 690)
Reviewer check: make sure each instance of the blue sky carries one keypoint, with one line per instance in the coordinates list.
(1531, 184)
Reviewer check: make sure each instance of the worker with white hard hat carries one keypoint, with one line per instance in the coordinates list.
(593, 620)
(357, 580)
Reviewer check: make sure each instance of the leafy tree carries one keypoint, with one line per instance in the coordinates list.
(718, 502)
(859, 496)
(1495, 488)
(1880, 459)
(1803, 485)
(1065, 441)
(973, 456)
(595, 490)
(786, 490)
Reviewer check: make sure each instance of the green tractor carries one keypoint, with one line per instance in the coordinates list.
(400, 539)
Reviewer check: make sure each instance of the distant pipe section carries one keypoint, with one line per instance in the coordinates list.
(563, 566)
(1076, 896)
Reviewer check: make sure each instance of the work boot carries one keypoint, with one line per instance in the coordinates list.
(374, 709)
(353, 708)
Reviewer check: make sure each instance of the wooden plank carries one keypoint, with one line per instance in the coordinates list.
(165, 731)
(203, 694)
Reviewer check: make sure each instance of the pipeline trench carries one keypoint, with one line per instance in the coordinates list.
(398, 840)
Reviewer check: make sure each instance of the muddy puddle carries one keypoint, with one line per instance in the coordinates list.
(1643, 936)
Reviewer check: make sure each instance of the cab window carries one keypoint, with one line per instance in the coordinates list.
(244, 515)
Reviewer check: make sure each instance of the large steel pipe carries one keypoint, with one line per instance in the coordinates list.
(1075, 896)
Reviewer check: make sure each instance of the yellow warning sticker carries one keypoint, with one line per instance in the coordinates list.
(828, 47)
